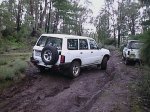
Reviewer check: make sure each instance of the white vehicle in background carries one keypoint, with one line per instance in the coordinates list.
(68, 53)
(131, 52)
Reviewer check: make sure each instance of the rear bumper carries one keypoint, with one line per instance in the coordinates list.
(62, 66)
(134, 59)
(35, 62)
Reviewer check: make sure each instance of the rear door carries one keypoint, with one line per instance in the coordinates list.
(84, 52)
(95, 53)
(72, 51)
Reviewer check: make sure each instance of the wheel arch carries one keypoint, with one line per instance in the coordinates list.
(106, 55)
(77, 59)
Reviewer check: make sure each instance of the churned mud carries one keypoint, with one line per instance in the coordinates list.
(93, 91)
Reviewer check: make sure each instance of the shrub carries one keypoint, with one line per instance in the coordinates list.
(144, 89)
(110, 47)
(13, 70)
(19, 66)
(110, 41)
(146, 47)
(6, 73)
(3, 61)
(135, 37)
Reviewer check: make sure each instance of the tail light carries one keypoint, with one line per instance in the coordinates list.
(128, 52)
(62, 59)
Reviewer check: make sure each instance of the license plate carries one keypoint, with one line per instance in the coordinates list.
(132, 56)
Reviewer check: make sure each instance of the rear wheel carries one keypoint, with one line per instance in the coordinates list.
(75, 69)
(104, 63)
(126, 61)
(123, 58)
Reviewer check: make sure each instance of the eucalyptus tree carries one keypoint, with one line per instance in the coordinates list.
(103, 26)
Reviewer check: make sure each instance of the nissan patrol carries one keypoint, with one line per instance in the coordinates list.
(68, 52)
(131, 52)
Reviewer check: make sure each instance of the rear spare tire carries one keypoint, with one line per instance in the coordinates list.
(49, 55)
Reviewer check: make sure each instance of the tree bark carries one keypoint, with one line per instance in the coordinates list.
(43, 14)
(133, 25)
(56, 22)
(18, 21)
(49, 18)
(119, 36)
(36, 14)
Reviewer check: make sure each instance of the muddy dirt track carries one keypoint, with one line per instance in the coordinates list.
(93, 91)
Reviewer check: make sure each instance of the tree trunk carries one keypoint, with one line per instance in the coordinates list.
(43, 14)
(119, 36)
(36, 14)
(115, 36)
(18, 21)
(133, 25)
(56, 22)
(49, 18)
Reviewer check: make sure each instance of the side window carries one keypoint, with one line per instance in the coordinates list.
(83, 45)
(93, 44)
(42, 41)
(72, 44)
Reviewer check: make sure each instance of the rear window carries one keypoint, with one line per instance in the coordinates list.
(135, 45)
(50, 41)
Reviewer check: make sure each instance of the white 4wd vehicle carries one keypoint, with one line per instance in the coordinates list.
(68, 52)
(131, 51)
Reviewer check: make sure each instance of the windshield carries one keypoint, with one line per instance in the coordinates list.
(50, 41)
(135, 45)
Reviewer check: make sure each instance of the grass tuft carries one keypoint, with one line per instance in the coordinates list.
(6, 73)
(144, 89)
(3, 61)
(19, 66)
(12, 70)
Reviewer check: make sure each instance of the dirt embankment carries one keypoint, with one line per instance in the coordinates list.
(94, 91)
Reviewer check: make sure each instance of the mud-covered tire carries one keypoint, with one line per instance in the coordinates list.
(74, 70)
(49, 55)
(126, 61)
(123, 58)
(104, 63)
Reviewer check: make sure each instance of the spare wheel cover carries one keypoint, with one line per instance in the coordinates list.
(49, 55)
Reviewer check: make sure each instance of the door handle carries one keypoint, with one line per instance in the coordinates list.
(81, 53)
(91, 51)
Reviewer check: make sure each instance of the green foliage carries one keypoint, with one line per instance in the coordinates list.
(6, 74)
(110, 47)
(145, 2)
(144, 89)
(147, 22)
(146, 47)
(19, 66)
(110, 41)
(3, 61)
(135, 37)
(103, 27)
(11, 69)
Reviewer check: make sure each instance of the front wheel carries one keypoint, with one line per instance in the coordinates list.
(75, 69)
(104, 63)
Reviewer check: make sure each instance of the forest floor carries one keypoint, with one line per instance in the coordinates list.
(93, 91)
